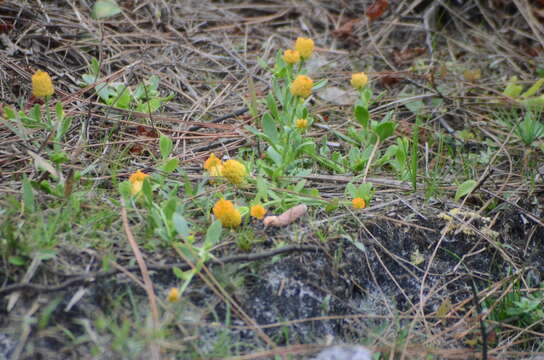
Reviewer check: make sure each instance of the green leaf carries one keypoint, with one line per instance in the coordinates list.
(385, 129)
(124, 189)
(105, 8)
(415, 106)
(256, 132)
(35, 113)
(272, 107)
(269, 127)
(513, 89)
(177, 272)
(183, 275)
(165, 146)
(154, 81)
(464, 189)
(213, 235)
(150, 106)
(262, 190)
(169, 207)
(534, 102)
(63, 128)
(318, 85)
(59, 157)
(94, 67)
(170, 165)
(337, 168)
(147, 191)
(362, 115)
(332, 205)
(17, 260)
(351, 190)
(365, 191)
(123, 99)
(181, 226)
(274, 155)
(10, 113)
(299, 186)
(59, 111)
(46, 254)
(28, 196)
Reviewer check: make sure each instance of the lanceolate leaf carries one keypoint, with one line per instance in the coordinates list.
(464, 189)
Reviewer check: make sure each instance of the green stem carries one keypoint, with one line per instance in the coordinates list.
(48, 113)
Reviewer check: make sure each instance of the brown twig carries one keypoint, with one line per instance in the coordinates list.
(155, 351)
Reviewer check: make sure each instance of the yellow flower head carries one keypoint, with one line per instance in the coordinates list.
(214, 166)
(211, 162)
(291, 56)
(173, 295)
(225, 212)
(302, 86)
(42, 85)
(137, 181)
(216, 171)
(257, 211)
(234, 171)
(359, 80)
(359, 203)
(302, 124)
(305, 47)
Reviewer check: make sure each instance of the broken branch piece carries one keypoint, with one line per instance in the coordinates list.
(287, 217)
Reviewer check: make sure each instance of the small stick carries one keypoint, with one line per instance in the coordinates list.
(287, 217)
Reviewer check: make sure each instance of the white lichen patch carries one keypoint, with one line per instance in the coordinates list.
(453, 223)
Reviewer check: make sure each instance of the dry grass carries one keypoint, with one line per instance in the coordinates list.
(205, 54)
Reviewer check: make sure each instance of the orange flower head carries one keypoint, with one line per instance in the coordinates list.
(257, 211)
(137, 181)
(227, 214)
(234, 171)
(302, 86)
(302, 124)
(173, 295)
(214, 166)
(216, 171)
(42, 85)
(305, 47)
(358, 203)
(291, 56)
(211, 162)
(359, 80)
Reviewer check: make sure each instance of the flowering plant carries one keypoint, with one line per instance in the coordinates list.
(287, 104)
(361, 195)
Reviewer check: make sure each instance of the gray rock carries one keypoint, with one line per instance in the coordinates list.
(345, 352)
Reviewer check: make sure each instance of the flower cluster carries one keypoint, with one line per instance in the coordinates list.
(173, 295)
(359, 80)
(213, 165)
(302, 86)
(305, 47)
(234, 171)
(137, 182)
(291, 56)
(225, 212)
(257, 211)
(358, 203)
(301, 124)
(42, 85)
